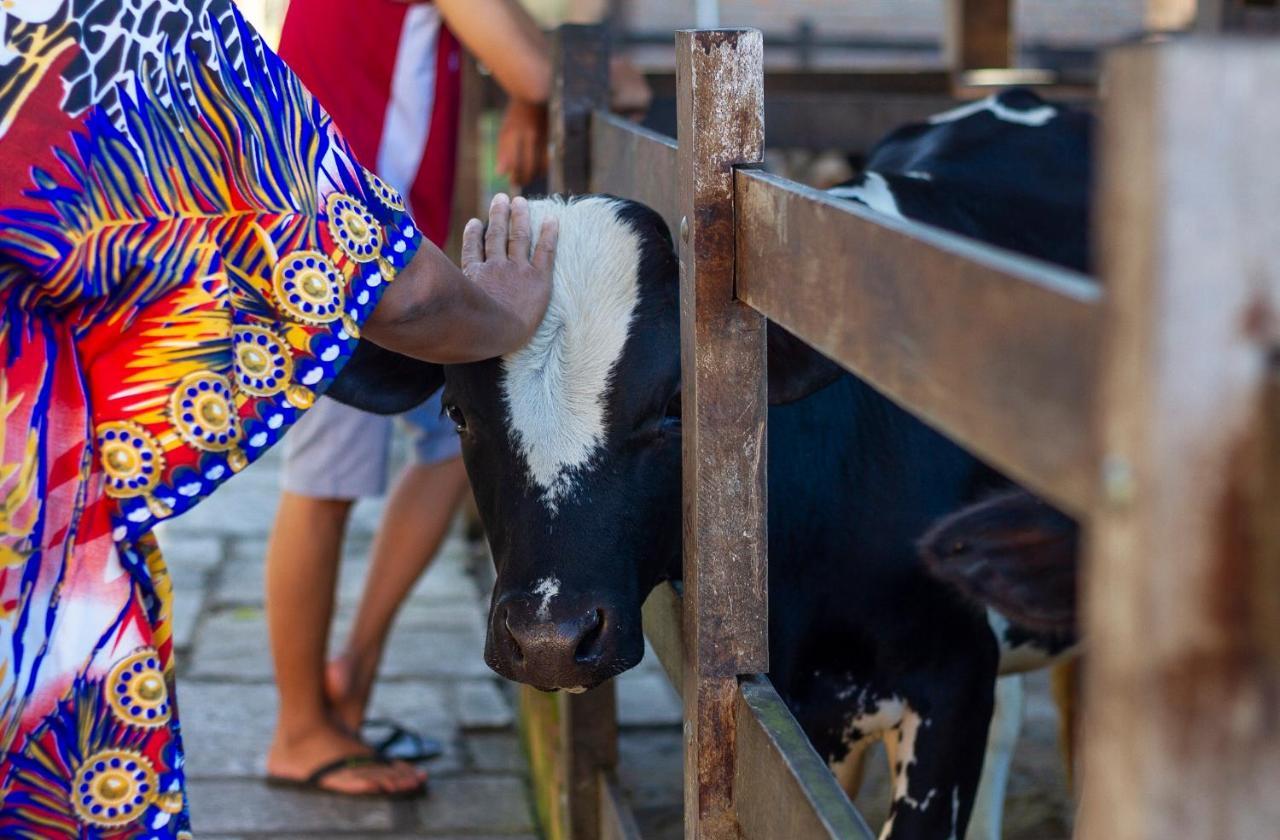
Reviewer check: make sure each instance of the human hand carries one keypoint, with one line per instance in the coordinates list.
(629, 92)
(522, 142)
(498, 261)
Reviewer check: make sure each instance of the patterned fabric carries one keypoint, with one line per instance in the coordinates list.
(187, 250)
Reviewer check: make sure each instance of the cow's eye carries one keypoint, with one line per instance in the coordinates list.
(455, 414)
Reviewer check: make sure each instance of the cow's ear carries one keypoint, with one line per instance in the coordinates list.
(796, 370)
(1011, 552)
(384, 382)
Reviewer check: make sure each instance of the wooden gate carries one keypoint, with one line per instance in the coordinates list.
(1147, 407)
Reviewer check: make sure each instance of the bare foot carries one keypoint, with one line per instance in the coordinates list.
(347, 691)
(298, 757)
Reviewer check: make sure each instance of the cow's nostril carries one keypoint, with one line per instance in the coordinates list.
(590, 645)
(517, 653)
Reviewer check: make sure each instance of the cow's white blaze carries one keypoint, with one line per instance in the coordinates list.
(555, 387)
(874, 192)
(1037, 116)
(546, 589)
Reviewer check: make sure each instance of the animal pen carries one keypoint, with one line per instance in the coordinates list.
(1146, 405)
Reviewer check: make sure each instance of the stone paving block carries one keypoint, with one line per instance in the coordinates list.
(232, 644)
(248, 806)
(435, 654)
(482, 705)
(496, 752)
(189, 558)
(478, 804)
(187, 604)
(226, 727)
(647, 699)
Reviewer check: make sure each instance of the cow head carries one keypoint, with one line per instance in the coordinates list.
(572, 445)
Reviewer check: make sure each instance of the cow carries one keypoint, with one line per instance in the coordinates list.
(573, 448)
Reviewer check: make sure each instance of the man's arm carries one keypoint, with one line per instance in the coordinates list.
(437, 313)
(504, 38)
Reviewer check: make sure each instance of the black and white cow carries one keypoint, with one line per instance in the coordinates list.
(573, 448)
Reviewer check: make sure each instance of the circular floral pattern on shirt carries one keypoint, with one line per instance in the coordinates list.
(113, 788)
(202, 410)
(136, 689)
(308, 288)
(264, 365)
(353, 227)
(131, 458)
(387, 194)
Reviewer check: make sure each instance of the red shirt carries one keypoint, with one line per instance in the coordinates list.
(388, 74)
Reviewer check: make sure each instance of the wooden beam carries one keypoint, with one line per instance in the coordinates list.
(720, 125)
(664, 628)
(580, 57)
(1257, 17)
(979, 35)
(633, 162)
(1182, 588)
(467, 183)
(784, 788)
(996, 350)
(616, 820)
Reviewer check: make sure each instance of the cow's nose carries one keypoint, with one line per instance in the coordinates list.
(569, 649)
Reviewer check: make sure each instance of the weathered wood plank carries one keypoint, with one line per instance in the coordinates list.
(1251, 16)
(1182, 584)
(580, 54)
(664, 627)
(783, 788)
(979, 34)
(616, 820)
(589, 733)
(467, 200)
(720, 125)
(630, 161)
(996, 350)
(851, 121)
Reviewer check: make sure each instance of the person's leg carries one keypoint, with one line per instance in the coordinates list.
(414, 524)
(327, 465)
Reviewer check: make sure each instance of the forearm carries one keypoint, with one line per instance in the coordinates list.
(433, 313)
(506, 40)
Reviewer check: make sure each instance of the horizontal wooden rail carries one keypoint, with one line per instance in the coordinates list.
(631, 161)
(663, 618)
(997, 350)
(851, 121)
(782, 787)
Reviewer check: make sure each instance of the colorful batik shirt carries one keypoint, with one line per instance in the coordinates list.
(187, 249)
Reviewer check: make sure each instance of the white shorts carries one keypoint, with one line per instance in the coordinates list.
(335, 451)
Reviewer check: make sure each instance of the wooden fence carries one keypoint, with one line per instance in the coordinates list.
(1148, 406)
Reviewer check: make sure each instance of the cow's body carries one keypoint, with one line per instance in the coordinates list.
(574, 457)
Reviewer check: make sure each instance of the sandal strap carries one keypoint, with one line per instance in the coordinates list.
(349, 762)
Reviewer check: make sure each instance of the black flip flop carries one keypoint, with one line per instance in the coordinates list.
(399, 742)
(314, 782)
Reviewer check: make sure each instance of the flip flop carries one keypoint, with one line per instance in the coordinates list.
(400, 743)
(314, 783)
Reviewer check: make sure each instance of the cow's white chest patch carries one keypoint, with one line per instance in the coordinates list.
(1035, 117)
(556, 387)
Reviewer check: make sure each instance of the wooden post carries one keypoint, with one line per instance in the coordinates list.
(576, 734)
(720, 108)
(580, 57)
(1183, 580)
(467, 182)
(1250, 16)
(979, 35)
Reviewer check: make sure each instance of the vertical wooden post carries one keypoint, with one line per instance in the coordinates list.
(576, 735)
(580, 56)
(979, 35)
(467, 200)
(720, 107)
(1250, 16)
(1183, 578)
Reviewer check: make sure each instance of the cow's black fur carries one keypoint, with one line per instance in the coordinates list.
(853, 482)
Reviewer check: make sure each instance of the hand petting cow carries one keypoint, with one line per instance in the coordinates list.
(891, 548)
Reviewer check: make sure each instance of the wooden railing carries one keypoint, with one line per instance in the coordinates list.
(1148, 406)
